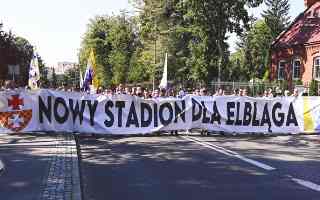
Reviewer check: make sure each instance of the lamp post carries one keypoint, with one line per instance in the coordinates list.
(155, 64)
(219, 75)
(155, 55)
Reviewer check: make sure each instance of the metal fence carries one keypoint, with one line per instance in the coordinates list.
(254, 88)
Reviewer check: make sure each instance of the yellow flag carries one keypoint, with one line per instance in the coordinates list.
(92, 60)
(308, 120)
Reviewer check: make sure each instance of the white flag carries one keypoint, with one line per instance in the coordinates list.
(34, 73)
(81, 78)
(164, 80)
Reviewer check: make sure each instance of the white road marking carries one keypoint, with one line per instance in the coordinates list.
(206, 145)
(1, 166)
(230, 153)
(256, 163)
(218, 147)
(307, 184)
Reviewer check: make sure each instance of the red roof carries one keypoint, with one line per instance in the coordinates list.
(304, 30)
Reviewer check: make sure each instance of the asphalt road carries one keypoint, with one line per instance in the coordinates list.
(195, 167)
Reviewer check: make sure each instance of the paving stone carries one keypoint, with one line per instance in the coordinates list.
(62, 182)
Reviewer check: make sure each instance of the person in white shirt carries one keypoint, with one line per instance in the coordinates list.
(295, 93)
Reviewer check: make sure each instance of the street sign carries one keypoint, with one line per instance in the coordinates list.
(14, 69)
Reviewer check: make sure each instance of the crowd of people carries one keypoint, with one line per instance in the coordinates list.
(146, 93)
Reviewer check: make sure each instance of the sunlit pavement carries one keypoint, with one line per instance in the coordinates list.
(197, 167)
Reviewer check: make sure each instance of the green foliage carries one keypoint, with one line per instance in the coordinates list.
(54, 82)
(44, 81)
(139, 68)
(120, 67)
(70, 78)
(15, 50)
(210, 23)
(193, 32)
(114, 41)
(237, 69)
(313, 89)
(297, 82)
(277, 16)
(283, 84)
(266, 74)
(255, 48)
(260, 88)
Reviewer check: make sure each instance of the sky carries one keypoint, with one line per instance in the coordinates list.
(56, 27)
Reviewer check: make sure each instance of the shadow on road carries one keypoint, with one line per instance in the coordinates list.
(172, 168)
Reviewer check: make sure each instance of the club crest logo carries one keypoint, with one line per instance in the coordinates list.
(17, 119)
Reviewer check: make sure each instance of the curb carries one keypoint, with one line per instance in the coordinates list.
(77, 192)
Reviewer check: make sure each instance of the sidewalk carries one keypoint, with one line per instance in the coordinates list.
(39, 166)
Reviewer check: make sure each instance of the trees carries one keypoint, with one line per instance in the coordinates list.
(54, 82)
(71, 77)
(255, 49)
(113, 40)
(277, 16)
(194, 32)
(23, 55)
(95, 38)
(237, 69)
(210, 21)
(15, 50)
(255, 43)
(155, 30)
(313, 89)
(44, 72)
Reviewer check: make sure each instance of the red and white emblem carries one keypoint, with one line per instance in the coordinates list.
(17, 119)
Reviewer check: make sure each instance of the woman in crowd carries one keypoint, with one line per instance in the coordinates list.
(203, 92)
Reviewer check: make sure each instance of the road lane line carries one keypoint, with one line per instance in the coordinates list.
(206, 145)
(230, 153)
(213, 145)
(256, 163)
(1, 166)
(307, 184)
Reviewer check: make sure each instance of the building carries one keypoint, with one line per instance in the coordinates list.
(67, 73)
(295, 53)
(18, 73)
(63, 67)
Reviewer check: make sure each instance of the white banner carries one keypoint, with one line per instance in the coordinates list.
(47, 110)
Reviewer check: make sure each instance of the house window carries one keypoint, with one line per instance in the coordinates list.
(281, 68)
(296, 69)
(316, 67)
